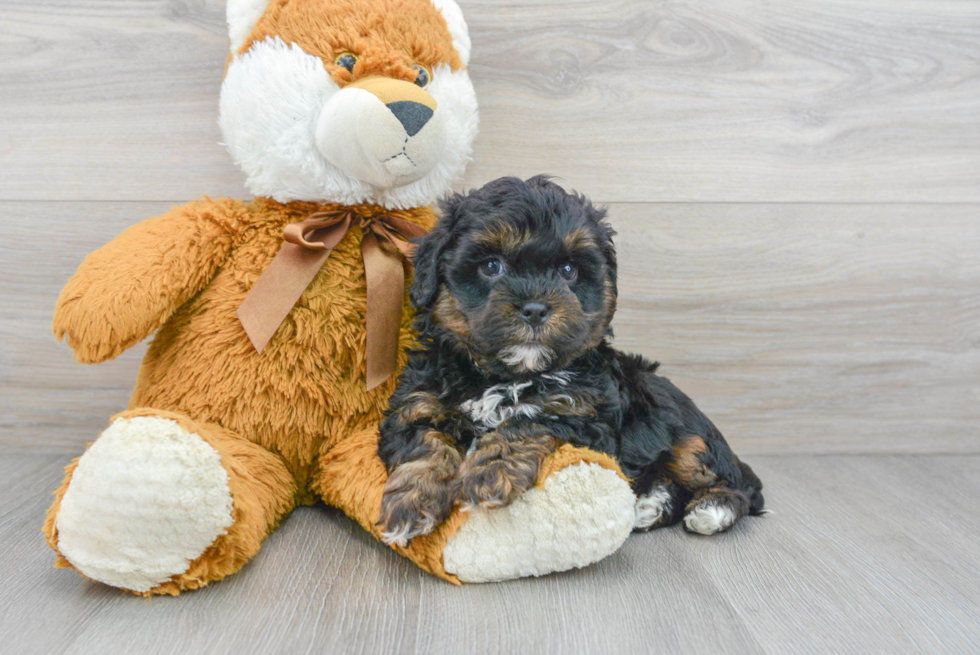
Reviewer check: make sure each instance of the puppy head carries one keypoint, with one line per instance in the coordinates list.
(522, 275)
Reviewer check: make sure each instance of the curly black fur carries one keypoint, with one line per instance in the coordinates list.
(512, 363)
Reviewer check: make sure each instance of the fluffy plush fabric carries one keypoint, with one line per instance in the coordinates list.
(553, 527)
(292, 424)
(220, 442)
(580, 511)
(262, 492)
(457, 27)
(283, 85)
(242, 15)
(187, 272)
(176, 503)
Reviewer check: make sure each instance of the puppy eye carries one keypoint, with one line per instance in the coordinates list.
(568, 272)
(492, 268)
(423, 77)
(346, 60)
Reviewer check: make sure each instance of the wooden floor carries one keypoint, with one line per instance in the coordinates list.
(862, 554)
(796, 187)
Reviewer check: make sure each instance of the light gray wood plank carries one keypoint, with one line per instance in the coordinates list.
(862, 554)
(320, 584)
(797, 328)
(723, 101)
(47, 400)
(650, 597)
(856, 558)
(113, 100)
(811, 328)
(629, 100)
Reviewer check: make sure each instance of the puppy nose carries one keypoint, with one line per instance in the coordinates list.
(412, 115)
(535, 313)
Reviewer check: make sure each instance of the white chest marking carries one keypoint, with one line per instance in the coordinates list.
(499, 403)
(503, 401)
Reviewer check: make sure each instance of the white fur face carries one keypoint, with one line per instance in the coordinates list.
(298, 136)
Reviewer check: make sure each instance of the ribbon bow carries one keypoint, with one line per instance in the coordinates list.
(308, 245)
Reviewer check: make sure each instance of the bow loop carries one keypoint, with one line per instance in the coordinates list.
(394, 234)
(384, 244)
(319, 231)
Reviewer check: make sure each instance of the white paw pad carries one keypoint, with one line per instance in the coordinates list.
(709, 518)
(146, 499)
(652, 508)
(583, 513)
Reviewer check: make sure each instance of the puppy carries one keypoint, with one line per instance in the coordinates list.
(515, 289)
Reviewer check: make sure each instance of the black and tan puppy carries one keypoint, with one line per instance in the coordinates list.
(515, 289)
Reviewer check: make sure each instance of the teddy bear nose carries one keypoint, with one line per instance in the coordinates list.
(412, 115)
(535, 313)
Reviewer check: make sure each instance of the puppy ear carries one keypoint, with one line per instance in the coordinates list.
(606, 234)
(428, 256)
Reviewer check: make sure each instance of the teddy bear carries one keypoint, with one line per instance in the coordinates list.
(280, 322)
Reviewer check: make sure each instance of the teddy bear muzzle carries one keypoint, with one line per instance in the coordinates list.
(382, 131)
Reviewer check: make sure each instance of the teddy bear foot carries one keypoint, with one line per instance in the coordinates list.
(144, 501)
(581, 514)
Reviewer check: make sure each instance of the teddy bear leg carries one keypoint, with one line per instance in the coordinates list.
(580, 511)
(160, 503)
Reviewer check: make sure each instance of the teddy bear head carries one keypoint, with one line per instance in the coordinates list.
(348, 101)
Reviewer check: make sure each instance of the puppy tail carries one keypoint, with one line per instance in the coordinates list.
(752, 487)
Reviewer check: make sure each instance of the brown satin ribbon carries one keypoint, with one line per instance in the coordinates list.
(308, 246)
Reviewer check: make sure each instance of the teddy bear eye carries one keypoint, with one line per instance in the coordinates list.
(423, 77)
(346, 60)
(492, 268)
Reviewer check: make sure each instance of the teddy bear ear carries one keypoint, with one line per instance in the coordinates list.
(242, 15)
(457, 27)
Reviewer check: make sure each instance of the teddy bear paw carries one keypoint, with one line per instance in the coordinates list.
(583, 513)
(146, 499)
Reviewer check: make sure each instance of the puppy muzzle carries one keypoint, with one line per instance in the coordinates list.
(531, 333)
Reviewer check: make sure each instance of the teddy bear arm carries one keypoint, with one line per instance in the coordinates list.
(132, 285)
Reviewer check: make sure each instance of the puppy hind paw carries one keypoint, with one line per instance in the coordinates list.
(654, 509)
(709, 519)
(715, 510)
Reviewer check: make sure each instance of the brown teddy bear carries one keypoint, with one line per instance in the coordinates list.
(279, 322)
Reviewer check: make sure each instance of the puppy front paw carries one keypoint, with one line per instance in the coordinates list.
(499, 471)
(416, 499)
